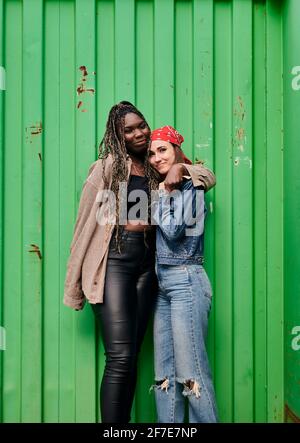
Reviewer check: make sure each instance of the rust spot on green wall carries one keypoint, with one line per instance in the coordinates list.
(33, 130)
(240, 133)
(239, 137)
(36, 249)
(82, 88)
(83, 70)
(36, 129)
(289, 415)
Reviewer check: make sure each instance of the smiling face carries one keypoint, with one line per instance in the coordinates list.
(162, 155)
(136, 133)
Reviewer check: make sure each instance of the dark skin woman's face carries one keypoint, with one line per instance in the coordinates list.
(136, 133)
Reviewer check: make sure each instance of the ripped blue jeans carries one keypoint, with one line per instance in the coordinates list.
(181, 362)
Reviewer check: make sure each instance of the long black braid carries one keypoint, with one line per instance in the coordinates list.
(113, 143)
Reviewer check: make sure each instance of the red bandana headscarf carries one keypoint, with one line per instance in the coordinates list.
(169, 134)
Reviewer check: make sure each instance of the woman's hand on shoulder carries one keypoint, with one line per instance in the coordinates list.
(174, 177)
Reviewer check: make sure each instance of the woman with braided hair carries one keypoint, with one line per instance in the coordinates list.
(112, 261)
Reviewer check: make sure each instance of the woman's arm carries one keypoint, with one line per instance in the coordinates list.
(200, 176)
(180, 213)
(87, 199)
(73, 294)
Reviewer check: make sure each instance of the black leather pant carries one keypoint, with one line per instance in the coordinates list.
(129, 295)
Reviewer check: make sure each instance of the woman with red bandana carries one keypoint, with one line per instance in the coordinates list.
(184, 299)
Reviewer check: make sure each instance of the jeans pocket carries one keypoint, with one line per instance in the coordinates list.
(204, 282)
(179, 267)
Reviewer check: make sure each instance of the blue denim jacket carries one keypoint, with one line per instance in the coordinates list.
(180, 231)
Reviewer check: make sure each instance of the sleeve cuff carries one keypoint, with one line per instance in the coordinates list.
(74, 297)
(201, 176)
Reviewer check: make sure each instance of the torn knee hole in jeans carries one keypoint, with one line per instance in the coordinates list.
(191, 387)
(163, 384)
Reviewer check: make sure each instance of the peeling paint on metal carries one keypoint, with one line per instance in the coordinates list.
(82, 87)
(36, 129)
(246, 159)
(240, 111)
(33, 130)
(249, 161)
(36, 249)
(2, 78)
(2, 339)
(239, 141)
(240, 133)
(84, 71)
(202, 145)
(290, 415)
(237, 161)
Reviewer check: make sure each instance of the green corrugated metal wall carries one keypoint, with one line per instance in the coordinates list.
(213, 69)
(291, 108)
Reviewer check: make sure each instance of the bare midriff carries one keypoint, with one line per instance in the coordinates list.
(134, 225)
(137, 228)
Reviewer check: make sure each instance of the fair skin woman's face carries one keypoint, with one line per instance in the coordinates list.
(162, 156)
(136, 133)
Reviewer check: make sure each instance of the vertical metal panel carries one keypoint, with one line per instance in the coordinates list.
(274, 122)
(68, 196)
(223, 210)
(2, 72)
(292, 208)
(84, 156)
(52, 220)
(164, 75)
(12, 216)
(260, 213)
(202, 146)
(105, 96)
(242, 211)
(213, 69)
(125, 50)
(32, 188)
